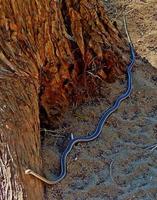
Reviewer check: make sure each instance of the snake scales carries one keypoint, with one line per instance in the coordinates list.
(104, 116)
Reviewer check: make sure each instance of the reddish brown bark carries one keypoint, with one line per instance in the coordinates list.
(81, 45)
(52, 53)
(19, 138)
(19, 112)
(72, 42)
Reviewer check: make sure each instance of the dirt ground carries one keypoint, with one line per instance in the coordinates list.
(122, 163)
(142, 22)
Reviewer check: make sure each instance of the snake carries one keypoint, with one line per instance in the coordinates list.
(103, 118)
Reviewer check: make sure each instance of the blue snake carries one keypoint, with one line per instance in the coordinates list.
(94, 134)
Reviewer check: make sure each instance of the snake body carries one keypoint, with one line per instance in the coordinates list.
(94, 134)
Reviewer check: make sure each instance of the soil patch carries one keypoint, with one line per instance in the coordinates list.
(122, 163)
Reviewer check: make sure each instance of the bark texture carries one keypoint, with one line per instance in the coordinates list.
(19, 111)
(72, 42)
(53, 53)
(80, 45)
(19, 138)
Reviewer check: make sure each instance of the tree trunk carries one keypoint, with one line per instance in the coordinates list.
(19, 137)
(80, 48)
(53, 54)
(19, 111)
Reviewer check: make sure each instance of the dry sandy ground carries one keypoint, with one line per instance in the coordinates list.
(119, 165)
(142, 22)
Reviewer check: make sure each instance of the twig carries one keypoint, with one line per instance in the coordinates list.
(51, 131)
(72, 136)
(95, 76)
(60, 130)
(152, 147)
(69, 36)
(111, 164)
(92, 60)
(126, 29)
